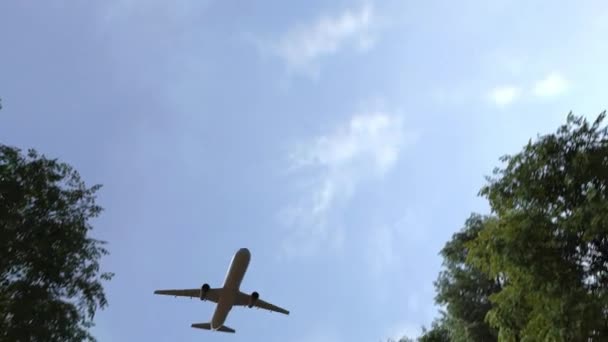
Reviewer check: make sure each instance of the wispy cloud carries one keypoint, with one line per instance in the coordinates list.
(365, 148)
(504, 95)
(302, 46)
(552, 85)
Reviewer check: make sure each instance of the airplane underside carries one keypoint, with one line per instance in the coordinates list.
(227, 296)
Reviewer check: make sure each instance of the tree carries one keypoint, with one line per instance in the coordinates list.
(549, 242)
(403, 339)
(439, 332)
(50, 279)
(464, 289)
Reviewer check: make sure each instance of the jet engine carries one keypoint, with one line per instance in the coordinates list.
(204, 289)
(254, 298)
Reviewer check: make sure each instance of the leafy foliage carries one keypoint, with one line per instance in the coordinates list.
(536, 269)
(50, 280)
(549, 242)
(464, 289)
(439, 332)
(403, 339)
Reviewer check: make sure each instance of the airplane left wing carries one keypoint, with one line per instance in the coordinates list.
(244, 299)
(212, 295)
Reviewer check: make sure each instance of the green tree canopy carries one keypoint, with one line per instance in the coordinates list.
(439, 332)
(50, 279)
(464, 289)
(549, 241)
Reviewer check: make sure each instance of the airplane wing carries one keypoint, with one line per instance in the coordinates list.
(244, 299)
(212, 295)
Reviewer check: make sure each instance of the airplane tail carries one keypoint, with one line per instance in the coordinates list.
(207, 326)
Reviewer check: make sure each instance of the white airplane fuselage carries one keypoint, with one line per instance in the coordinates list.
(232, 283)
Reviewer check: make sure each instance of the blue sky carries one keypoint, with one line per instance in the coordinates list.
(342, 142)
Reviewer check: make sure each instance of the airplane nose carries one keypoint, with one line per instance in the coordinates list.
(244, 251)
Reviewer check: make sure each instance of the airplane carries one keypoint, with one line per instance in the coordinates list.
(227, 296)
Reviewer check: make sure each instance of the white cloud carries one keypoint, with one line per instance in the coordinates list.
(365, 148)
(552, 85)
(505, 95)
(303, 45)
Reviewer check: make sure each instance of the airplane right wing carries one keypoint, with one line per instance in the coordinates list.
(211, 294)
(244, 299)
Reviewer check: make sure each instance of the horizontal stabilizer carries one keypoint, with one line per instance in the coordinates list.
(207, 326)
